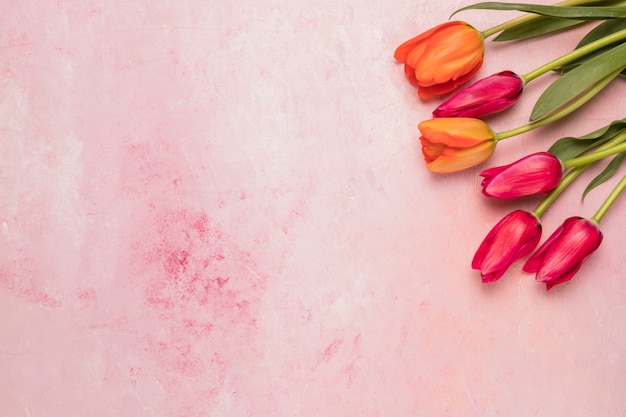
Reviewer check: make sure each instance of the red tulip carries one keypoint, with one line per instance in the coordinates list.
(514, 237)
(455, 143)
(487, 96)
(534, 174)
(562, 255)
(442, 58)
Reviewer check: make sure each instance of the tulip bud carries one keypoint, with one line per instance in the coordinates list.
(534, 174)
(512, 238)
(486, 96)
(442, 58)
(562, 255)
(453, 144)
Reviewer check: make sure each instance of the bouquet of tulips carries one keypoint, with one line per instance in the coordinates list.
(445, 57)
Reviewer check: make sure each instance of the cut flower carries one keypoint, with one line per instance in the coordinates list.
(453, 144)
(486, 96)
(562, 255)
(536, 173)
(442, 58)
(512, 238)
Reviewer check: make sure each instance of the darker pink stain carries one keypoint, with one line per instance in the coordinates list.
(331, 350)
(20, 282)
(327, 354)
(201, 282)
(204, 288)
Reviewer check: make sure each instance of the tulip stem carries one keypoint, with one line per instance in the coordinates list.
(575, 54)
(562, 112)
(610, 200)
(595, 156)
(528, 17)
(565, 182)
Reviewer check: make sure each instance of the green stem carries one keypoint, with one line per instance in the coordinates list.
(593, 157)
(562, 112)
(565, 182)
(528, 17)
(575, 54)
(610, 200)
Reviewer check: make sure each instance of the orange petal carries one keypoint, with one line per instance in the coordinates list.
(403, 50)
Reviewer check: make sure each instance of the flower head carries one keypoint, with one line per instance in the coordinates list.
(512, 238)
(442, 58)
(486, 96)
(534, 174)
(562, 255)
(453, 144)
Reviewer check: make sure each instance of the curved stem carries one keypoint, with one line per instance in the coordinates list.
(595, 156)
(528, 17)
(565, 182)
(610, 200)
(575, 54)
(562, 112)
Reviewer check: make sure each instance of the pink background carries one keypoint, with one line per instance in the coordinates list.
(221, 210)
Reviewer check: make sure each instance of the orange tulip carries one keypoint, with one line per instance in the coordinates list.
(454, 143)
(442, 58)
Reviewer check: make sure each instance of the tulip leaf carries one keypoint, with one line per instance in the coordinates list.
(571, 147)
(578, 80)
(541, 25)
(604, 29)
(607, 173)
(563, 12)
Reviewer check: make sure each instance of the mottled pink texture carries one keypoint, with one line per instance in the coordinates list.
(220, 210)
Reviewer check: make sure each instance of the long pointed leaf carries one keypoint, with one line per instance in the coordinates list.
(540, 26)
(571, 147)
(579, 12)
(543, 25)
(581, 78)
(604, 29)
(607, 173)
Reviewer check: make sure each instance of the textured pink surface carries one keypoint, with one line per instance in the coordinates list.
(221, 210)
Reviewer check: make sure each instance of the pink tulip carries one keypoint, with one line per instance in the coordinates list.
(514, 237)
(537, 173)
(486, 96)
(562, 255)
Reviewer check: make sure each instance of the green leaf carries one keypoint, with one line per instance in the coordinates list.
(581, 78)
(563, 12)
(541, 25)
(571, 147)
(602, 30)
(607, 173)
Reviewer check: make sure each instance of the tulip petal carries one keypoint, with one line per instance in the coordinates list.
(510, 239)
(456, 132)
(443, 57)
(457, 159)
(405, 48)
(562, 255)
(534, 262)
(536, 173)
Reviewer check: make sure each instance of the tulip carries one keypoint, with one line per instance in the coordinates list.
(534, 174)
(514, 237)
(562, 255)
(456, 143)
(442, 58)
(487, 96)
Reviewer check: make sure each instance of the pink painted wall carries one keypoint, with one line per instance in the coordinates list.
(221, 210)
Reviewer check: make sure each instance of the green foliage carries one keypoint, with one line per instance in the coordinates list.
(575, 82)
(565, 12)
(606, 28)
(606, 174)
(541, 25)
(571, 147)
